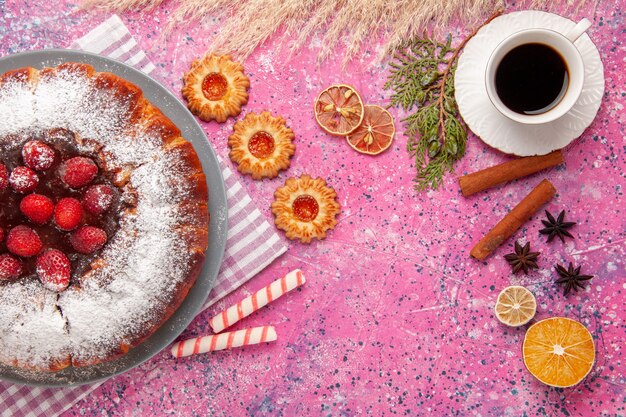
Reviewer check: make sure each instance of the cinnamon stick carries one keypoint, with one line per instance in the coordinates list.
(540, 195)
(508, 171)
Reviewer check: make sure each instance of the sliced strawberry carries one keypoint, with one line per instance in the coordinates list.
(54, 270)
(78, 172)
(23, 241)
(68, 213)
(37, 155)
(4, 177)
(88, 239)
(23, 179)
(10, 267)
(38, 208)
(98, 199)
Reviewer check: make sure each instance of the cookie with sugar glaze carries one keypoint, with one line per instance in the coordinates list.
(215, 88)
(305, 208)
(261, 145)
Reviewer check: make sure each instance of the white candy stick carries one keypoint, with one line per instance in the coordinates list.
(222, 341)
(257, 300)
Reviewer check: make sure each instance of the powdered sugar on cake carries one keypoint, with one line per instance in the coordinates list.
(31, 325)
(16, 95)
(140, 269)
(145, 259)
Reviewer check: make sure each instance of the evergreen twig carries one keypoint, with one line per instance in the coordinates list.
(422, 77)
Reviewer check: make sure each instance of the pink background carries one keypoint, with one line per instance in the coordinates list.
(395, 318)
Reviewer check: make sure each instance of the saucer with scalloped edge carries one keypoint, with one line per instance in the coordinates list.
(497, 130)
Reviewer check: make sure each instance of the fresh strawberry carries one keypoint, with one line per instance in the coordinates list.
(37, 155)
(23, 241)
(38, 208)
(1, 234)
(10, 267)
(54, 270)
(78, 172)
(4, 177)
(68, 213)
(88, 239)
(98, 199)
(23, 179)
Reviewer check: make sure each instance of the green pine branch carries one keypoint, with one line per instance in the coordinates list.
(422, 78)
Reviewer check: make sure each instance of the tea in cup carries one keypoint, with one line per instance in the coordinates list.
(535, 76)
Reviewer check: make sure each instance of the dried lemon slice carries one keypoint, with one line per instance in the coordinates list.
(558, 351)
(515, 306)
(215, 88)
(339, 109)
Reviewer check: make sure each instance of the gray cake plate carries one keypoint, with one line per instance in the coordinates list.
(191, 306)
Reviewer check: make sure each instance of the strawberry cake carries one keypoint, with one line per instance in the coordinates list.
(103, 217)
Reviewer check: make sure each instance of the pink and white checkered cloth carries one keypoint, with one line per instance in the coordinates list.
(251, 245)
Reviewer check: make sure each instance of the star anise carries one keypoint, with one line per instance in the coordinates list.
(523, 258)
(556, 227)
(571, 278)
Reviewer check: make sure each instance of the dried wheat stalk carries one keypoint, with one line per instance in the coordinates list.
(249, 23)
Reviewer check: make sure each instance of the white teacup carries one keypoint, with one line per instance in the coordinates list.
(563, 44)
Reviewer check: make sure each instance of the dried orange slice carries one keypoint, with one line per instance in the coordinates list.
(339, 109)
(558, 351)
(515, 306)
(375, 134)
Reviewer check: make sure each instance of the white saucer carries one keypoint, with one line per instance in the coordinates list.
(493, 127)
